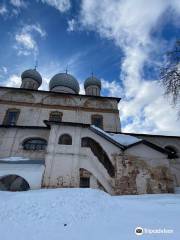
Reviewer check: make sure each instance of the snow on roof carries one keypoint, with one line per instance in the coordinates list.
(122, 139)
(14, 159)
(20, 160)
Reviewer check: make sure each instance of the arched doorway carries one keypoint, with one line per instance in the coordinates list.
(13, 183)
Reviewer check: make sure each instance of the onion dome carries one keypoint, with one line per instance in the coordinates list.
(92, 81)
(32, 74)
(63, 81)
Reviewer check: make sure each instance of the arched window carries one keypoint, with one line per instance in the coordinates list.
(35, 144)
(97, 120)
(55, 116)
(172, 152)
(99, 152)
(65, 139)
(11, 117)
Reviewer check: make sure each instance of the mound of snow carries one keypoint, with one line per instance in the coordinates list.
(78, 214)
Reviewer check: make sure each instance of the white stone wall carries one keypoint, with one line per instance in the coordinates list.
(152, 157)
(12, 138)
(64, 161)
(168, 141)
(32, 173)
(35, 107)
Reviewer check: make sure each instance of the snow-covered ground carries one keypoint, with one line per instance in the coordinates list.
(84, 214)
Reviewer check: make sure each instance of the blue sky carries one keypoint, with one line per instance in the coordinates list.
(122, 42)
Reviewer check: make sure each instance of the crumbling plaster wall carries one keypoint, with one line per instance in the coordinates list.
(141, 170)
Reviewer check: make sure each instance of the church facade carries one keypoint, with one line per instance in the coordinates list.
(60, 138)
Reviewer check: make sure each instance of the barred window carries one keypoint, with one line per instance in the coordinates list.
(35, 144)
(84, 182)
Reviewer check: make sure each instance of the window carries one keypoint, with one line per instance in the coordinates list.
(35, 144)
(11, 117)
(172, 152)
(97, 120)
(84, 182)
(65, 139)
(55, 116)
(84, 178)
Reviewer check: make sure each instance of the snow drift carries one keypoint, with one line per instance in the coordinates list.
(75, 214)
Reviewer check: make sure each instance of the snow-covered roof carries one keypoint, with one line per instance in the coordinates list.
(20, 160)
(122, 139)
(14, 159)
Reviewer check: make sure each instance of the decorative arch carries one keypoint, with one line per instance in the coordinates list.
(172, 150)
(65, 139)
(35, 144)
(13, 183)
(99, 152)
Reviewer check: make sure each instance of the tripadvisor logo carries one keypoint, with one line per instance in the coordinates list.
(139, 231)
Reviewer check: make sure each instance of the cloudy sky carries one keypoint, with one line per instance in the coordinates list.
(122, 41)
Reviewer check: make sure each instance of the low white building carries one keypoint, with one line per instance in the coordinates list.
(60, 138)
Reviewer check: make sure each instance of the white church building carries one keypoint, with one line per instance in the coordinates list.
(60, 138)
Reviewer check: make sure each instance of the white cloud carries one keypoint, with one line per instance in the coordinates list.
(18, 3)
(3, 70)
(71, 25)
(129, 25)
(34, 27)
(13, 81)
(25, 39)
(82, 91)
(3, 10)
(113, 88)
(60, 5)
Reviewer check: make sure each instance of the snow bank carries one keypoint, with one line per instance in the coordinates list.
(123, 139)
(79, 214)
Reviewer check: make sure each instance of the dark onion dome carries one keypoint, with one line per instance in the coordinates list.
(65, 80)
(92, 81)
(32, 74)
